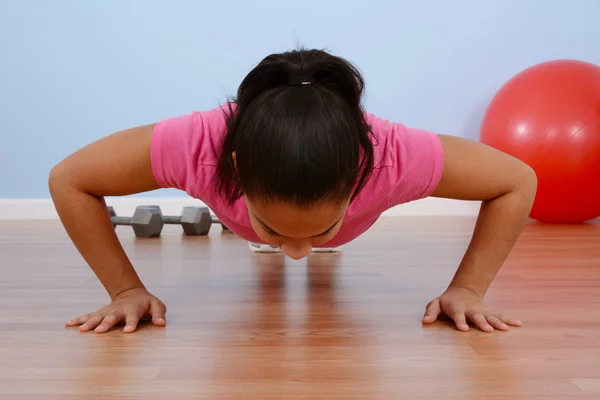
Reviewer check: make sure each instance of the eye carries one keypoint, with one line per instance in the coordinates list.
(270, 233)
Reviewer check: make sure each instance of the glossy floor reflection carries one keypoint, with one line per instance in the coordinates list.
(334, 326)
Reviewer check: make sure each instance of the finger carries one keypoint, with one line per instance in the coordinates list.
(496, 322)
(91, 323)
(131, 322)
(78, 320)
(479, 320)
(460, 320)
(509, 320)
(108, 322)
(432, 311)
(158, 311)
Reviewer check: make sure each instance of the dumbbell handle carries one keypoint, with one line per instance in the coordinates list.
(170, 219)
(127, 221)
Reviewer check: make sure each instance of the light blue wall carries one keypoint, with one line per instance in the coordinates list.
(73, 71)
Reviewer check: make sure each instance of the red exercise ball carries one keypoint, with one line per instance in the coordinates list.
(549, 117)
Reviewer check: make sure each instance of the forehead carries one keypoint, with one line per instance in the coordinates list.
(292, 221)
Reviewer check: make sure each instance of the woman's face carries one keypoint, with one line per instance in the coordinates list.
(295, 230)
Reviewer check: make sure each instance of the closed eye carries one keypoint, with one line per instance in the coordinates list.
(272, 233)
(275, 234)
(327, 232)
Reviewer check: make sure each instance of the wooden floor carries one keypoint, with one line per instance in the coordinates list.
(347, 326)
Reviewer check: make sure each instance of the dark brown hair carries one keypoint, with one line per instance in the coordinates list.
(299, 143)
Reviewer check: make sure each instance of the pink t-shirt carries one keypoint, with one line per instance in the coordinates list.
(409, 164)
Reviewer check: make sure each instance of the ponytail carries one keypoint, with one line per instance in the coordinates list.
(298, 130)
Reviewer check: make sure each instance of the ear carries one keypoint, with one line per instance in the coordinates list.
(234, 161)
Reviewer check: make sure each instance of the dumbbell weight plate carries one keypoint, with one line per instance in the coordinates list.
(196, 221)
(147, 221)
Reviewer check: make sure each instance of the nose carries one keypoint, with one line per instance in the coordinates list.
(296, 250)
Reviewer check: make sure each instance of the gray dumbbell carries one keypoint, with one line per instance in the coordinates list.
(148, 221)
(195, 221)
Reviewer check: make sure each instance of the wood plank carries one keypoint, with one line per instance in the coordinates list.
(333, 326)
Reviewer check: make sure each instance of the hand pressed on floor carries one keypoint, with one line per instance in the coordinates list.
(127, 308)
(462, 306)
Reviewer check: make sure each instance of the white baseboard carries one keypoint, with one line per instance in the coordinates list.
(18, 209)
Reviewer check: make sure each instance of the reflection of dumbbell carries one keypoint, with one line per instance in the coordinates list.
(148, 221)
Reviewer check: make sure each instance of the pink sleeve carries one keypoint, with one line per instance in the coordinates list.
(184, 150)
(419, 163)
(415, 159)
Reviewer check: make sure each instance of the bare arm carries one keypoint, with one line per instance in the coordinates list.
(118, 164)
(506, 186)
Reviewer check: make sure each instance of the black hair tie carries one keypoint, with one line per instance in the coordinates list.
(301, 80)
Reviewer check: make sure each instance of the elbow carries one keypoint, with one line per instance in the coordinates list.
(58, 178)
(527, 182)
(530, 177)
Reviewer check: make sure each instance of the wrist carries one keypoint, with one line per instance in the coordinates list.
(474, 275)
(114, 294)
(475, 289)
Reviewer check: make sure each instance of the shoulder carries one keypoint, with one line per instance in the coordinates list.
(408, 161)
(196, 129)
(183, 148)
